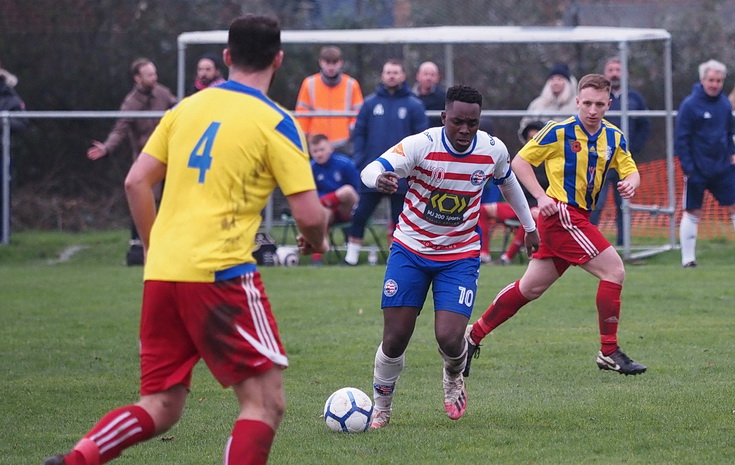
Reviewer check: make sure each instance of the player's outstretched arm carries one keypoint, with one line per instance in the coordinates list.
(97, 150)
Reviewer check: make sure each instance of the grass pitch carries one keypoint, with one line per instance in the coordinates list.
(68, 336)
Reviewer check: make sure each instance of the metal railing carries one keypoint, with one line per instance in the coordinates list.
(627, 207)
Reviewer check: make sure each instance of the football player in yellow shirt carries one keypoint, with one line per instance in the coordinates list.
(222, 152)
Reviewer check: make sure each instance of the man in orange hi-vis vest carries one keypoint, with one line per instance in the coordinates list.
(329, 90)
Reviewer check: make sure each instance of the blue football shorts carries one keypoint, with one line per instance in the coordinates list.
(722, 188)
(408, 277)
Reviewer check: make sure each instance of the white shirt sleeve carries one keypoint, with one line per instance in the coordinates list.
(370, 173)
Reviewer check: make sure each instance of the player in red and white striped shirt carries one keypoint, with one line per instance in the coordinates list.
(436, 242)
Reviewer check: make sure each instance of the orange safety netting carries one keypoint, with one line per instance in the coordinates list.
(715, 221)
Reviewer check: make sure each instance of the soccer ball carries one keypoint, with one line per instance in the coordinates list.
(287, 255)
(348, 410)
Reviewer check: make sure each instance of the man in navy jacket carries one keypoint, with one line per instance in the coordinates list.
(388, 115)
(704, 145)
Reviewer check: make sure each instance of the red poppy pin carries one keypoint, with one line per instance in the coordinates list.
(576, 146)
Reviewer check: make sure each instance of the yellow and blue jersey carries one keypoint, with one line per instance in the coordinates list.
(225, 149)
(577, 162)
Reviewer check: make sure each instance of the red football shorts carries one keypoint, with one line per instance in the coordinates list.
(228, 324)
(569, 238)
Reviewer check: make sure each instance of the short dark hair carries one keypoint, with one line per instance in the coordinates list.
(137, 64)
(466, 94)
(318, 139)
(395, 61)
(254, 41)
(211, 57)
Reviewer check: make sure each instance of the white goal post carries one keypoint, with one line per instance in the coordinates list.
(448, 36)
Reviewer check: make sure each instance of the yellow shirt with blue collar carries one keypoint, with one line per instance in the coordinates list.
(225, 149)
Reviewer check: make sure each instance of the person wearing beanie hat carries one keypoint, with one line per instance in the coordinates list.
(560, 69)
(557, 96)
(208, 73)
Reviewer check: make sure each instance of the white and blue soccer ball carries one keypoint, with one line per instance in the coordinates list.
(348, 410)
(287, 255)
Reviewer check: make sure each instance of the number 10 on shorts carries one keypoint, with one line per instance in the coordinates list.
(466, 296)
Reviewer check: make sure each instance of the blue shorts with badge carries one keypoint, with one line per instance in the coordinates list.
(408, 277)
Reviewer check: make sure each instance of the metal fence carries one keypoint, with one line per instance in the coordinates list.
(276, 203)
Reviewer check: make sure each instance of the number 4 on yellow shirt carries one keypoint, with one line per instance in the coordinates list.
(201, 157)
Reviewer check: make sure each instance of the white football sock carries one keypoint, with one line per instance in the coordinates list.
(688, 237)
(353, 253)
(385, 375)
(453, 366)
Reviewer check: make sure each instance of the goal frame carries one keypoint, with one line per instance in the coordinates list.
(449, 36)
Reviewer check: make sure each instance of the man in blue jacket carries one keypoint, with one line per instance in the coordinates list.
(704, 145)
(639, 128)
(388, 115)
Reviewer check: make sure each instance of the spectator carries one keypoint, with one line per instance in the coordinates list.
(329, 90)
(567, 236)
(10, 79)
(703, 142)
(9, 101)
(639, 127)
(337, 182)
(147, 95)
(203, 297)
(436, 241)
(337, 179)
(208, 74)
(428, 90)
(388, 115)
(558, 95)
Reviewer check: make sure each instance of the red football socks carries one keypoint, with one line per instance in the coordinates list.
(249, 444)
(505, 305)
(116, 431)
(608, 315)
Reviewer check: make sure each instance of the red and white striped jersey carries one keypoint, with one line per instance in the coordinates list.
(441, 209)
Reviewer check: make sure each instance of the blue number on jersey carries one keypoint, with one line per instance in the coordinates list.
(201, 157)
